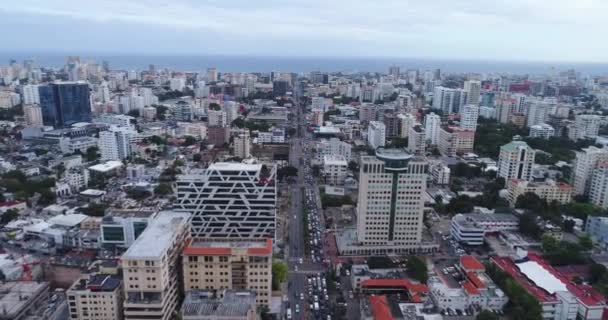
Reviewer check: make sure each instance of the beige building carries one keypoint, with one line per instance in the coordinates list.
(242, 144)
(390, 205)
(334, 169)
(548, 190)
(515, 160)
(454, 140)
(416, 140)
(150, 268)
(219, 305)
(219, 265)
(33, 114)
(96, 297)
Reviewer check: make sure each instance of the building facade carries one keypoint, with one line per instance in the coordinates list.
(515, 160)
(65, 103)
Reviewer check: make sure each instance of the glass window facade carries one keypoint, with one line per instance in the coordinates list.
(64, 104)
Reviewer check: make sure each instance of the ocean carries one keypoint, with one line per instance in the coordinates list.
(305, 64)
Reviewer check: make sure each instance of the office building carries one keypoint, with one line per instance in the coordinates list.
(232, 111)
(548, 190)
(432, 124)
(515, 160)
(229, 200)
(115, 143)
(121, 230)
(473, 90)
(280, 88)
(455, 140)
(33, 114)
(226, 304)
(468, 117)
(598, 188)
(30, 94)
(582, 169)
(390, 204)
(65, 103)
(543, 131)
(376, 134)
(238, 265)
(471, 228)
(242, 144)
(96, 296)
(585, 126)
(151, 275)
(334, 169)
(416, 140)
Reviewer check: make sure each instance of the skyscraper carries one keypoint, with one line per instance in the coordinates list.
(33, 114)
(515, 160)
(242, 145)
(65, 103)
(468, 116)
(582, 169)
(432, 122)
(376, 134)
(473, 90)
(390, 202)
(30, 94)
(229, 200)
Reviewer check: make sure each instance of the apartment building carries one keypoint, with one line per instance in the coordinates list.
(454, 140)
(548, 190)
(96, 296)
(515, 160)
(335, 169)
(219, 265)
(585, 162)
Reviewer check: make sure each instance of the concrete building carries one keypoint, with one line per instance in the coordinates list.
(239, 265)
(543, 131)
(432, 124)
(539, 110)
(407, 121)
(12, 304)
(468, 116)
(228, 304)
(471, 228)
(416, 140)
(449, 100)
(30, 94)
(387, 219)
(392, 123)
(473, 90)
(454, 140)
(334, 147)
(376, 134)
(217, 118)
(548, 190)
(487, 112)
(368, 112)
(585, 162)
(439, 172)
(515, 160)
(96, 297)
(122, 229)
(150, 268)
(597, 228)
(178, 84)
(229, 200)
(33, 114)
(115, 144)
(585, 126)
(242, 145)
(335, 168)
(598, 188)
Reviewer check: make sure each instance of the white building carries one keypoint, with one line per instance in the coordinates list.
(115, 144)
(468, 116)
(242, 145)
(385, 222)
(217, 118)
(515, 160)
(439, 172)
(473, 90)
(376, 134)
(543, 131)
(232, 111)
(335, 168)
(122, 230)
(471, 228)
(585, 162)
(538, 110)
(229, 200)
(335, 147)
(432, 123)
(487, 112)
(585, 126)
(598, 188)
(407, 121)
(416, 140)
(449, 100)
(30, 94)
(33, 114)
(177, 84)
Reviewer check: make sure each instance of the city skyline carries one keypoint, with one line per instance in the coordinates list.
(517, 31)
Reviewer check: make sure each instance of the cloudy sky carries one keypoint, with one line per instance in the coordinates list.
(522, 30)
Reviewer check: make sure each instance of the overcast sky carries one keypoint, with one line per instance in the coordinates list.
(536, 30)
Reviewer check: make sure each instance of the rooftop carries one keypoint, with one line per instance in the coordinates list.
(205, 303)
(234, 166)
(97, 282)
(67, 220)
(514, 145)
(105, 167)
(227, 247)
(158, 236)
(471, 263)
(16, 296)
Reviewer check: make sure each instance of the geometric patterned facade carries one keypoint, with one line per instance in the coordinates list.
(229, 201)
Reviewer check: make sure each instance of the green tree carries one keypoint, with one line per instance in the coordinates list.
(569, 225)
(531, 201)
(8, 216)
(163, 189)
(279, 273)
(47, 197)
(353, 166)
(528, 225)
(134, 113)
(94, 210)
(486, 315)
(214, 106)
(190, 140)
(197, 157)
(586, 242)
(417, 269)
(91, 154)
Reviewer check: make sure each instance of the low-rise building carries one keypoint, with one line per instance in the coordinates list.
(225, 304)
(472, 228)
(548, 190)
(13, 304)
(95, 297)
(543, 131)
(334, 169)
(439, 172)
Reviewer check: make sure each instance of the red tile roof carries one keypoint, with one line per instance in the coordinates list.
(226, 251)
(470, 263)
(9, 203)
(380, 308)
(470, 288)
(475, 280)
(261, 251)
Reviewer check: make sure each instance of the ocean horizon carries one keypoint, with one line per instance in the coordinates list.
(227, 63)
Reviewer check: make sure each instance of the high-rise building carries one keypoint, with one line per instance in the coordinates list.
(229, 200)
(407, 121)
(65, 103)
(33, 114)
(232, 111)
(177, 84)
(468, 116)
(416, 140)
(582, 169)
(217, 118)
(212, 75)
(454, 140)
(394, 71)
(392, 123)
(334, 147)
(449, 100)
(242, 145)
(598, 188)
(279, 88)
(96, 296)
(334, 169)
(538, 110)
(515, 160)
(390, 205)
(585, 126)
(432, 123)
(115, 143)
(548, 190)
(473, 90)
(30, 94)
(543, 131)
(151, 274)
(219, 265)
(368, 112)
(376, 134)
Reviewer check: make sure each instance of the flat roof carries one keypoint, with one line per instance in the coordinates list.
(541, 277)
(93, 192)
(12, 293)
(471, 263)
(234, 166)
(223, 248)
(105, 167)
(157, 237)
(67, 220)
